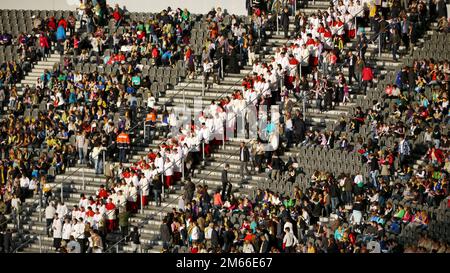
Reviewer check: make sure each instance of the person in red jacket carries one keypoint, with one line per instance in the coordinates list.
(102, 193)
(63, 23)
(44, 46)
(435, 156)
(367, 77)
(52, 23)
(117, 15)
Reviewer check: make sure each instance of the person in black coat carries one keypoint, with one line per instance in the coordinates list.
(214, 238)
(299, 127)
(224, 180)
(228, 238)
(189, 190)
(264, 244)
(285, 22)
(351, 62)
(411, 80)
(277, 167)
(244, 158)
(166, 235)
(135, 238)
(7, 241)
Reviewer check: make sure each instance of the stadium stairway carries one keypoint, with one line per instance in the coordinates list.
(38, 69)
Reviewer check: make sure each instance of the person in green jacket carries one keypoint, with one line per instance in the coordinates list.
(185, 15)
(124, 217)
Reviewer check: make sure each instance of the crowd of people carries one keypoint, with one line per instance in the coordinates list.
(346, 213)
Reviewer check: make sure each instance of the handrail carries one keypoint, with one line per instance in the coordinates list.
(23, 244)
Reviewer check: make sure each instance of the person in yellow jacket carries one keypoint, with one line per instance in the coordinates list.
(372, 13)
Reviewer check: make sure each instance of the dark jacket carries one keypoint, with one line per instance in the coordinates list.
(264, 248)
(334, 190)
(164, 230)
(189, 190)
(214, 238)
(135, 237)
(224, 178)
(348, 185)
(285, 19)
(246, 154)
(299, 129)
(277, 163)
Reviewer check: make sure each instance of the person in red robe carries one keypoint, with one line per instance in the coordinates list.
(111, 215)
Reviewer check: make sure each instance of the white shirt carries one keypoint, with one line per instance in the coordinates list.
(50, 212)
(57, 228)
(83, 203)
(62, 211)
(290, 239)
(24, 182)
(66, 231)
(79, 230)
(33, 184)
(195, 233)
(248, 248)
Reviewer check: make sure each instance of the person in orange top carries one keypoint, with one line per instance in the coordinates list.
(218, 200)
(123, 144)
(150, 125)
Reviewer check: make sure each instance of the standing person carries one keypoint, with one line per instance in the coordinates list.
(157, 189)
(16, 204)
(189, 190)
(207, 70)
(57, 232)
(285, 22)
(60, 38)
(166, 235)
(7, 241)
(123, 144)
(367, 77)
(404, 151)
(135, 239)
(299, 127)
(80, 140)
(264, 244)
(362, 46)
(225, 180)
(49, 215)
(71, 22)
(66, 230)
(405, 31)
(277, 167)
(111, 215)
(80, 235)
(124, 217)
(244, 157)
(395, 43)
(351, 62)
(44, 45)
(289, 241)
